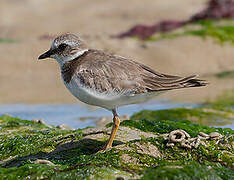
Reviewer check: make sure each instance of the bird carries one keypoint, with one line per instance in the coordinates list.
(109, 81)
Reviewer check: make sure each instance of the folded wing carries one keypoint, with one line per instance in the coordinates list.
(114, 74)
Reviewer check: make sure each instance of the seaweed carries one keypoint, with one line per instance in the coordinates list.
(224, 102)
(6, 40)
(165, 121)
(191, 170)
(74, 154)
(216, 10)
(225, 74)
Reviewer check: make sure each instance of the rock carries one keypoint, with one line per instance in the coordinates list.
(89, 131)
(8, 159)
(147, 148)
(129, 159)
(203, 134)
(215, 135)
(43, 161)
(64, 127)
(125, 134)
(40, 121)
(32, 151)
(141, 148)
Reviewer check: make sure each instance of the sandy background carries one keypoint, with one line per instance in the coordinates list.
(24, 79)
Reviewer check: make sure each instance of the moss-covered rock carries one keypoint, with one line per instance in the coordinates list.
(164, 121)
(143, 148)
(36, 151)
(190, 170)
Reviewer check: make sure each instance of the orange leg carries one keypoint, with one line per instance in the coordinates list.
(116, 122)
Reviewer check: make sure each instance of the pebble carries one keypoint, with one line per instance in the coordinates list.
(64, 127)
(40, 121)
(43, 161)
(203, 134)
(214, 135)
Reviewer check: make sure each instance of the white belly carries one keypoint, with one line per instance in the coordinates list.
(108, 101)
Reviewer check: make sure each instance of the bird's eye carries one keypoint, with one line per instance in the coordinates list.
(62, 46)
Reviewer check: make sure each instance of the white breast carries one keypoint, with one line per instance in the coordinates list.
(106, 100)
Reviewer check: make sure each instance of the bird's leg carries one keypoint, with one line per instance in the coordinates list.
(115, 127)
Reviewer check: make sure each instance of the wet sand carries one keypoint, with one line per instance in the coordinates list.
(24, 79)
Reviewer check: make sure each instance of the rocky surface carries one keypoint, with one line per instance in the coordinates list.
(150, 145)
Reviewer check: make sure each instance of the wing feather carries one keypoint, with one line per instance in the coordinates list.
(108, 73)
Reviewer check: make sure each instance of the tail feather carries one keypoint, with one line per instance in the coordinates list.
(196, 83)
(186, 82)
(192, 81)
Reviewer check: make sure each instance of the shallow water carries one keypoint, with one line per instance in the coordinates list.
(81, 116)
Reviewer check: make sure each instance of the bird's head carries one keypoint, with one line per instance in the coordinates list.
(65, 48)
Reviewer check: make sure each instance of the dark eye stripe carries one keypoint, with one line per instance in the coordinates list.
(62, 46)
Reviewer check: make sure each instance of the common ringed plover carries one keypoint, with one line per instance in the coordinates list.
(109, 81)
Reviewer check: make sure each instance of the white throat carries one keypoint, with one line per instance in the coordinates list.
(62, 60)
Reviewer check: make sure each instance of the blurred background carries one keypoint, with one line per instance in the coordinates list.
(27, 28)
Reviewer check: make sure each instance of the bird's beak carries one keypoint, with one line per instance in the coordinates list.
(47, 54)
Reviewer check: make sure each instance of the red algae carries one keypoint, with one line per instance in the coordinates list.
(216, 9)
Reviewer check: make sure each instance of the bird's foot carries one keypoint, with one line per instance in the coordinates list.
(104, 149)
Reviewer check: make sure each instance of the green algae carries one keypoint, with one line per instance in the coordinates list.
(191, 170)
(32, 171)
(28, 142)
(165, 121)
(213, 113)
(41, 171)
(224, 102)
(12, 122)
(212, 152)
(220, 31)
(7, 40)
(225, 74)
(26, 137)
(75, 156)
(108, 165)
